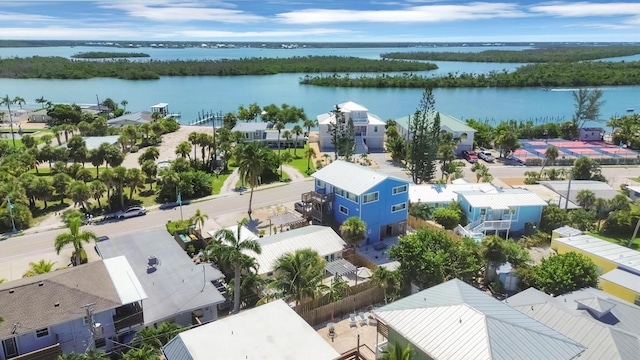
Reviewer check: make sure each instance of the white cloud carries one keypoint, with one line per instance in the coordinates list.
(95, 33)
(587, 9)
(183, 12)
(414, 14)
(13, 16)
(205, 34)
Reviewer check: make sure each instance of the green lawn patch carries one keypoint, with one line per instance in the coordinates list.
(300, 162)
(218, 182)
(636, 179)
(9, 141)
(622, 242)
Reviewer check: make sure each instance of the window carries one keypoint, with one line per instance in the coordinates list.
(399, 190)
(85, 320)
(375, 129)
(10, 347)
(338, 191)
(246, 135)
(42, 332)
(506, 212)
(463, 136)
(320, 184)
(367, 198)
(352, 197)
(398, 207)
(483, 212)
(637, 302)
(344, 210)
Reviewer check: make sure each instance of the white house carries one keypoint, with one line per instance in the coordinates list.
(634, 192)
(270, 331)
(457, 128)
(67, 310)
(368, 127)
(321, 239)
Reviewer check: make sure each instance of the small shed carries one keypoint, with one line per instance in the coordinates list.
(591, 134)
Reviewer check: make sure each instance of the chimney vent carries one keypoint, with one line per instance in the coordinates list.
(40, 283)
(11, 291)
(56, 304)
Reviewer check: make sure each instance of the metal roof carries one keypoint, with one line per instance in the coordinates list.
(601, 340)
(448, 121)
(329, 118)
(340, 267)
(454, 320)
(351, 106)
(354, 178)
(623, 256)
(176, 285)
(321, 239)
(624, 279)
(599, 188)
(444, 193)
(270, 331)
(94, 142)
(140, 117)
(567, 231)
(250, 126)
(31, 301)
(504, 199)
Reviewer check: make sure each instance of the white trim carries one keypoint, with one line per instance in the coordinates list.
(14, 340)
(403, 205)
(320, 184)
(377, 197)
(395, 190)
(340, 207)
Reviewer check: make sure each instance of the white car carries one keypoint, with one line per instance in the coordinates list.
(131, 212)
(486, 156)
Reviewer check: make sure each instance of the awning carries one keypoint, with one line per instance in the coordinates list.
(340, 267)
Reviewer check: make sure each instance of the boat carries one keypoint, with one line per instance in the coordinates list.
(629, 109)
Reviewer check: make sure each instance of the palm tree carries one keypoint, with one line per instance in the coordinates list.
(251, 163)
(309, 123)
(601, 207)
(234, 248)
(478, 168)
(635, 212)
(279, 125)
(297, 131)
(74, 237)
(194, 140)
(7, 101)
(41, 100)
(143, 353)
(199, 218)
(41, 267)
(184, 149)
(97, 188)
(385, 279)
(135, 179)
(549, 156)
(124, 104)
(119, 179)
(395, 351)
(326, 158)
(156, 337)
(19, 100)
(309, 153)
(299, 275)
(79, 193)
(586, 199)
(151, 153)
(353, 231)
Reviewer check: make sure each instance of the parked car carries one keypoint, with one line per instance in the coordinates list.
(131, 212)
(486, 156)
(301, 208)
(102, 238)
(470, 156)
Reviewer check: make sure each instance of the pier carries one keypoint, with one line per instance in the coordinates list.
(206, 117)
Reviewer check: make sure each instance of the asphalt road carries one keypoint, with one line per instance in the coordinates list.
(17, 252)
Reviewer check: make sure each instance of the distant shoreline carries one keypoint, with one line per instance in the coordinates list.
(108, 55)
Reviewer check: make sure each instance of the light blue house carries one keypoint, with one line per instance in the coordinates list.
(507, 210)
(344, 189)
(96, 305)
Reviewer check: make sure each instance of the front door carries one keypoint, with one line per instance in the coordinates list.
(10, 347)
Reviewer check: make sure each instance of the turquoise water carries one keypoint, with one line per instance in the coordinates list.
(189, 95)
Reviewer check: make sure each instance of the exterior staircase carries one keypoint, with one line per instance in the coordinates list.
(360, 146)
(478, 228)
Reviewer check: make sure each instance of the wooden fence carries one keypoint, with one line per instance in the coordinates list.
(417, 223)
(367, 294)
(358, 260)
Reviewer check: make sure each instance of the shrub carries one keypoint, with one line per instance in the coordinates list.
(134, 149)
(446, 217)
(177, 226)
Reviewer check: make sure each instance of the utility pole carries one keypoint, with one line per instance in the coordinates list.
(92, 325)
(566, 203)
(10, 207)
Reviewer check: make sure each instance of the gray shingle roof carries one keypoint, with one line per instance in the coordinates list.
(599, 188)
(177, 285)
(354, 178)
(456, 321)
(32, 305)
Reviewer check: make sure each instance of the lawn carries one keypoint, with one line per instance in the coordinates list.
(19, 143)
(218, 182)
(622, 242)
(300, 162)
(636, 179)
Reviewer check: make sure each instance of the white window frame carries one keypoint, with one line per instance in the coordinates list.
(402, 205)
(376, 196)
(346, 212)
(14, 343)
(396, 190)
(338, 191)
(351, 196)
(320, 184)
(48, 333)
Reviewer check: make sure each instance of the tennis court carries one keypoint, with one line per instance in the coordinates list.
(536, 149)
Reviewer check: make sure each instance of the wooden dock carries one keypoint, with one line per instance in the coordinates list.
(206, 117)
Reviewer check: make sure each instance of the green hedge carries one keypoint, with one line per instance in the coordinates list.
(178, 225)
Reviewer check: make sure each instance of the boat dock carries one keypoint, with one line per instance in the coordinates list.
(206, 117)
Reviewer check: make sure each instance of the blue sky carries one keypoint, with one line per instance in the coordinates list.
(327, 20)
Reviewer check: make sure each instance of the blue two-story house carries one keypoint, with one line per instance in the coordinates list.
(507, 210)
(344, 189)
